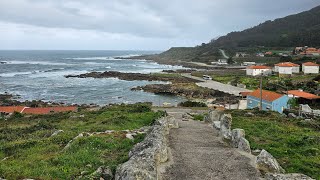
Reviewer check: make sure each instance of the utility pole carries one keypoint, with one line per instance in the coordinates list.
(261, 92)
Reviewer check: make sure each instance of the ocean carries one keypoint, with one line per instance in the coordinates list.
(39, 75)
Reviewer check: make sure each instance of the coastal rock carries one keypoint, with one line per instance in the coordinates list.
(244, 145)
(102, 173)
(173, 123)
(214, 115)
(225, 127)
(237, 134)
(294, 176)
(217, 125)
(266, 163)
(146, 155)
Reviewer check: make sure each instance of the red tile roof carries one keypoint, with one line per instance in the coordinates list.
(11, 109)
(304, 95)
(266, 95)
(310, 64)
(259, 67)
(287, 64)
(48, 110)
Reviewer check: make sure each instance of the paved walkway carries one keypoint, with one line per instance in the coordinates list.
(197, 153)
(215, 85)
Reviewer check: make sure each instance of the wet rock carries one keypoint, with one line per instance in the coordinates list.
(294, 176)
(266, 163)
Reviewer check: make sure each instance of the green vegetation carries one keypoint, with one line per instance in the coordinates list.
(295, 30)
(198, 117)
(192, 104)
(295, 143)
(31, 151)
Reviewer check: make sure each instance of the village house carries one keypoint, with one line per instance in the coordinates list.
(287, 68)
(310, 68)
(241, 54)
(258, 70)
(270, 101)
(310, 51)
(40, 110)
(303, 97)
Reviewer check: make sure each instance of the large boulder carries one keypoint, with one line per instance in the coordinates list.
(271, 176)
(225, 127)
(244, 145)
(266, 163)
(147, 155)
(236, 135)
(214, 115)
(217, 124)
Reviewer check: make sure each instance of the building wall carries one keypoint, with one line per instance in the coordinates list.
(276, 69)
(257, 72)
(296, 69)
(310, 69)
(278, 105)
(285, 70)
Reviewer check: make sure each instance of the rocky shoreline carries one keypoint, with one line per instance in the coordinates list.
(135, 77)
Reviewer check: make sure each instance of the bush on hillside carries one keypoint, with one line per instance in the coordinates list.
(192, 104)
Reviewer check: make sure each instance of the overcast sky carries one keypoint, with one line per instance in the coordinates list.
(131, 24)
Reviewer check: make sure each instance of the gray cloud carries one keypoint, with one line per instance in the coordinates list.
(174, 22)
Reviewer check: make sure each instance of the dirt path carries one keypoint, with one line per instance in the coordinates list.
(197, 153)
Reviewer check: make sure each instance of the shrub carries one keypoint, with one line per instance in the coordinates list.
(192, 104)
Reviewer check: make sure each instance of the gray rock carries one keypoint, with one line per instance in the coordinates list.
(270, 176)
(244, 145)
(146, 155)
(225, 127)
(173, 123)
(102, 172)
(56, 132)
(266, 163)
(214, 115)
(217, 125)
(129, 136)
(236, 135)
(249, 114)
(256, 152)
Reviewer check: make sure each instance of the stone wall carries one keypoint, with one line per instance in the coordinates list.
(146, 156)
(265, 162)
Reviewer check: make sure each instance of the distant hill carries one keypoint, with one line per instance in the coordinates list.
(295, 30)
(301, 29)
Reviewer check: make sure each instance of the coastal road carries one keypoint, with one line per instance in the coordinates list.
(197, 153)
(226, 88)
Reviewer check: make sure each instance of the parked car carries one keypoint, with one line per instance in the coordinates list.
(206, 77)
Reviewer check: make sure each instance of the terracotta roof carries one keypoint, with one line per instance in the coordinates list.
(310, 64)
(287, 64)
(303, 94)
(11, 109)
(48, 110)
(266, 95)
(259, 67)
(245, 94)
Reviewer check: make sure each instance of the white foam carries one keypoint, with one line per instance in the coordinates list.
(13, 74)
(36, 63)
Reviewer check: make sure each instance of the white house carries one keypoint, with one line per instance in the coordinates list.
(310, 68)
(258, 70)
(287, 68)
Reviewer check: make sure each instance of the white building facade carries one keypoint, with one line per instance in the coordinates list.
(258, 70)
(310, 68)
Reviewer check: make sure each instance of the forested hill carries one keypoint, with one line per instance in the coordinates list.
(295, 30)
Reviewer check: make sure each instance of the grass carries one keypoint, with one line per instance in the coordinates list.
(33, 153)
(296, 145)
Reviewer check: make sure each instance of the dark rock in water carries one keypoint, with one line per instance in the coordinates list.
(3, 62)
(133, 76)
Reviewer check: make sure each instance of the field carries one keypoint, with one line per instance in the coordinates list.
(295, 143)
(28, 149)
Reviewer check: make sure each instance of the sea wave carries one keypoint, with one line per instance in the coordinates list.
(37, 63)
